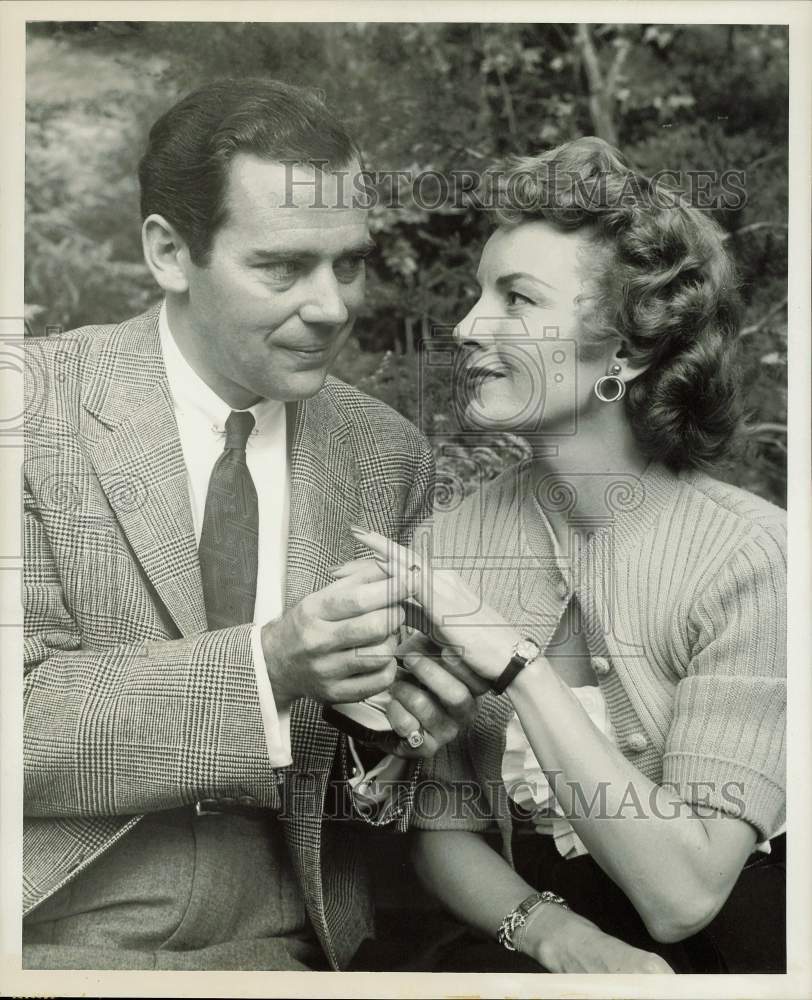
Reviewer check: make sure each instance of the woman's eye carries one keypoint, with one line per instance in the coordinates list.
(517, 299)
(348, 268)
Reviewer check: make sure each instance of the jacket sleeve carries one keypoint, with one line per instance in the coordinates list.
(395, 810)
(726, 744)
(135, 727)
(420, 500)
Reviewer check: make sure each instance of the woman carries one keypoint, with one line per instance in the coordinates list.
(634, 606)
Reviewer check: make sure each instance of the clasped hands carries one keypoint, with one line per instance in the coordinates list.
(339, 645)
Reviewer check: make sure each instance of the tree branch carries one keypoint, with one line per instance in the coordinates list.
(768, 158)
(601, 96)
(623, 50)
(590, 56)
(565, 38)
(748, 331)
(507, 100)
(754, 227)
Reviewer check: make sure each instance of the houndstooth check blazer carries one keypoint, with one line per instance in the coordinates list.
(131, 706)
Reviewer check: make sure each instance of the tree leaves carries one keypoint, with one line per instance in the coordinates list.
(419, 96)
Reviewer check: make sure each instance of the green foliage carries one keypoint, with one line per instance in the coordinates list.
(420, 97)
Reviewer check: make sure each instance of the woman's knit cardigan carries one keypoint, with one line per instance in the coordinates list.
(682, 593)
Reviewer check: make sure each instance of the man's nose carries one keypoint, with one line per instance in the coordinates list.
(325, 303)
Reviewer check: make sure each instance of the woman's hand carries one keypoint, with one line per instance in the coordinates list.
(468, 630)
(439, 710)
(571, 943)
(429, 695)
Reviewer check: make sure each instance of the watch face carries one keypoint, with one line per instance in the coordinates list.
(526, 649)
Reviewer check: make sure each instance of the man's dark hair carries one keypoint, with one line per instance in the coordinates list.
(184, 171)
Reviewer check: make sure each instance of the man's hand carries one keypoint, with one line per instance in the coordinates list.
(431, 696)
(337, 644)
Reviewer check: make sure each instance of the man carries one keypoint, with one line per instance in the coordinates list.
(191, 477)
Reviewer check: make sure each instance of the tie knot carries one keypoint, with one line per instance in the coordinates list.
(239, 425)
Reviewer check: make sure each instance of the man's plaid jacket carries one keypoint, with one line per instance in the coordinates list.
(131, 706)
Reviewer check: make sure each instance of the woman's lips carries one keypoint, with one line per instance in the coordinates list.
(474, 378)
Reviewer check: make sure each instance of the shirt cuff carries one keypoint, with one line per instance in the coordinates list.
(275, 723)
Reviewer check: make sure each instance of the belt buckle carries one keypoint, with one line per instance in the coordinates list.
(245, 805)
(201, 810)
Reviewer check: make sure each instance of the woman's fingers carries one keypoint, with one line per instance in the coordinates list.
(400, 719)
(457, 667)
(447, 659)
(396, 560)
(430, 710)
(405, 725)
(368, 567)
(454, 692)
(479, 635)
(441, 592)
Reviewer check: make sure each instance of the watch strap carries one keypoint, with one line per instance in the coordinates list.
(515, 665)
(524, 652)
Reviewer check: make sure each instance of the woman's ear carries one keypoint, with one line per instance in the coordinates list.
(166, 254)
(621, 366)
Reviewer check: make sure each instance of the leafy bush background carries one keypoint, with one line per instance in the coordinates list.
(419, 97)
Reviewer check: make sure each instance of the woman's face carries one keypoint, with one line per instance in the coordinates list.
(521, 368)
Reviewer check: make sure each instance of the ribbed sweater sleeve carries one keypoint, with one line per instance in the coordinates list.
(449, 796)
(726, 744)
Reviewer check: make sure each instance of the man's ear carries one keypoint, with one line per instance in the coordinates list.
(166, 254)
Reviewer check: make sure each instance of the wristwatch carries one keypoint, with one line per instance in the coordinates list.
(523, 652)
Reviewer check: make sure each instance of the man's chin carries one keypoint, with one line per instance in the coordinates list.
(297, 385)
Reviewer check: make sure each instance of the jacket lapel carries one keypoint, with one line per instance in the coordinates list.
(323, 504)
(323, 496)
(134, 448)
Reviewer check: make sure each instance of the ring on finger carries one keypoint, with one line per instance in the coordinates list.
(415, 739)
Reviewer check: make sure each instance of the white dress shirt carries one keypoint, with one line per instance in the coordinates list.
(201, 417)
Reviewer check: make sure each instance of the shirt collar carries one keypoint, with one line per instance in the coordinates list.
(190, 394)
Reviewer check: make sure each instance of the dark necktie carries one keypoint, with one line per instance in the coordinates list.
(228, 540)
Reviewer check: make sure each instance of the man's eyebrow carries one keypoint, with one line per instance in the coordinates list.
(508, 279)
(361, 249)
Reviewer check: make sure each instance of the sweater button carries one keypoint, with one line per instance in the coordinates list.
(601, 665)
(637, 742)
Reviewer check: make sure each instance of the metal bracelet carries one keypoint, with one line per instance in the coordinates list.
(518, 917)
